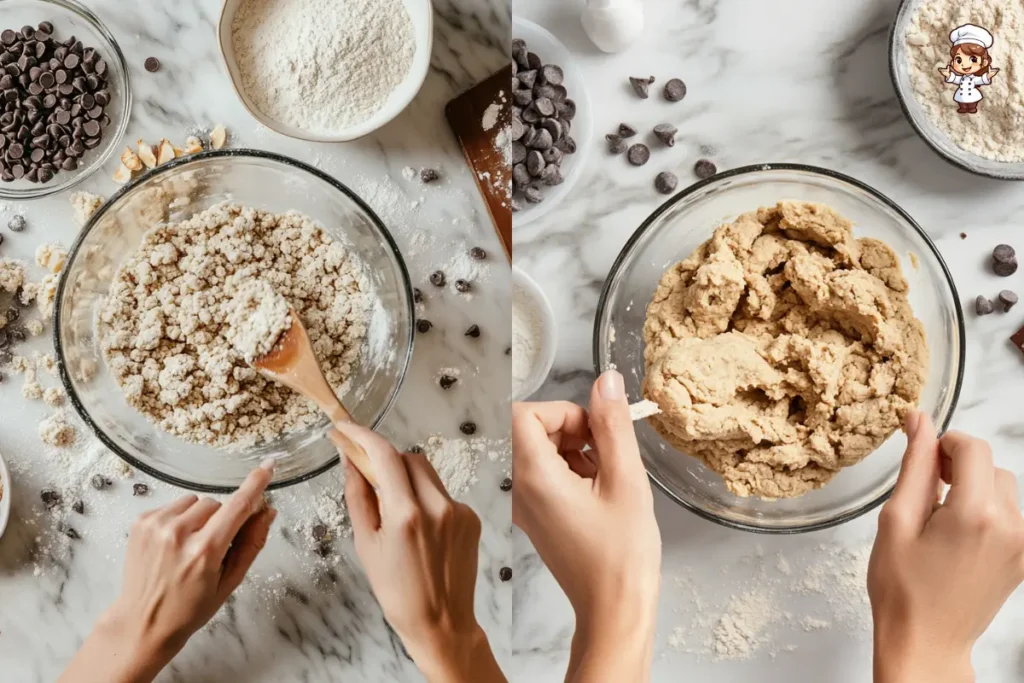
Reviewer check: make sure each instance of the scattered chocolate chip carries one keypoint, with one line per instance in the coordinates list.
(417, 295)
(1018, 339)
(50, 498)
(447, 381)
(428, 175)
(152, 64)
(963, 235)
(641, 86)
(666, 132)
(675, 90)
(705, 169)
(322, 549)
(508, 350)
(437, 278)
(70, 532)
(506, 484)
(17, 335)
(473, 331)
(638, 154)
(17, 223)
(99, 482)
(423, 326)
(982, 306)
(1003, 253)
(79, 507)
(468, 428)
(505, 574)
(477, 253)
(139, 489)
(319, 531)
(1008, 299)
(463, 286)
(1005, 268)
(666, 182)
(626, 130)
(416, 449)
(617, 145)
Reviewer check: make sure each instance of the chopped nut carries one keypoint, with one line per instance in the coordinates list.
(146, 154)
(193, 145)
(178, 151)
(130, 159)
(218, 136)
(122, 175)
(166, 152)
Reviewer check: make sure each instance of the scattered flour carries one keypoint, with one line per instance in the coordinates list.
(740, 631)
(490, 118)
(643, 409)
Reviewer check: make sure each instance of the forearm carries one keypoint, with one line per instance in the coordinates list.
(899, 659)
(613, 647)
(461, 659)
(113, 654)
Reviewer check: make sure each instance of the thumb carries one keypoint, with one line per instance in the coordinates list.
(618, 456)
(363, 507)
(914, 495)
(244, 549)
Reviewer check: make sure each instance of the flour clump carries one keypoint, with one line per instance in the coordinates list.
(257, 317)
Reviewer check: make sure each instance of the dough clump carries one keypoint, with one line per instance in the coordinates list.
(783, 350)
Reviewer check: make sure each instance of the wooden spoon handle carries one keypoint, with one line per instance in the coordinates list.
(355, 453)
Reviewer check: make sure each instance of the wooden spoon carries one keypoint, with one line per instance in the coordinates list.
(293, 364)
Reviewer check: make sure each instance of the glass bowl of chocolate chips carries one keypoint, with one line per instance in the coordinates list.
(65, 96)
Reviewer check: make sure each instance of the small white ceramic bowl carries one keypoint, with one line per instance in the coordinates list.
(551, 51)
(421, 12)
(521, 282)
(6, 493)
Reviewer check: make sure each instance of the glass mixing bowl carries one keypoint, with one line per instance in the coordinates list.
(675, 230)
(70, 17)
(174, 192)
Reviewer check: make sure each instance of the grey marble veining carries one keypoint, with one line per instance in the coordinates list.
(297, 618)
(796, 81)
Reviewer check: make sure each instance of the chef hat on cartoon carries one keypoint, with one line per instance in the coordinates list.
(969, 33)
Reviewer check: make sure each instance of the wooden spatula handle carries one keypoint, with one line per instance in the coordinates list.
(355, 453)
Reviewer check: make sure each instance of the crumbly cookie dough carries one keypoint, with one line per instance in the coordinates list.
(783, 350)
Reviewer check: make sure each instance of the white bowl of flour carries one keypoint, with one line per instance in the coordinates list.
(5, 495)
(326, 70)
(534, 336)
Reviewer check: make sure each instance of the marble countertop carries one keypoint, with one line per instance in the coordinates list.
(794, 81)
(298, 617)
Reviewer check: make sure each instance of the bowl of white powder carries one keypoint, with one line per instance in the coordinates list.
(5, 495)
(967, 111)
(326, 70)
(148, 304)
(534, 336)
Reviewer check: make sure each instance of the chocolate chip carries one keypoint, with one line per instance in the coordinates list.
(638, 154)
(46, 28)
(416, 449)
(552, 74)
(1018, 339)
(705, 168)
(152, 64)
(626, 130)
(423, 326)
(473, 331)
(533, 195)
(982, 306)
(477, 253)
(319, 531)
(99, 482)
(1008, 299)
(50, 498)
(666, 182)
(963, 235)
(675, 90)
(437, 278)
(505, 574)
(666, 132)
(505, 485)
(1004, 253)
(79, 507)
(447, 382)
(17, 223)
(8, 37)
(1005, 268)
(417, 295)
(70, 532)
(468, 428)
(139, 489)
(428, 175)
(641, 86)
(463, 286)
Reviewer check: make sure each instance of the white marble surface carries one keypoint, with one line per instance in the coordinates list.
(798, 81)
(298, 618)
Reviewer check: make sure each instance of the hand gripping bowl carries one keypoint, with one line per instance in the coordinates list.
(686, 220)
(252, 178)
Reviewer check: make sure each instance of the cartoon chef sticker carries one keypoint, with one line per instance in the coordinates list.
(970, 66)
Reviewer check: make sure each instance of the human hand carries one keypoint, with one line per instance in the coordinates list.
(939, 572)
(420, 551)
(590, 516)
(945, 72)
(183, 562)
(992, 72)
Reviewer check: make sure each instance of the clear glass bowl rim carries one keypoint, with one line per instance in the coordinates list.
(127, 97)
(760, 168)
(166, 168)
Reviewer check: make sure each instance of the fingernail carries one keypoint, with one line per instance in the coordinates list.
(912, 423)
(611, 386)
(269, 464)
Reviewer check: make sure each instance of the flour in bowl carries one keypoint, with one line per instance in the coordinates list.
(322, 65)
(165, 323)
(257, 317)
(527, 337)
